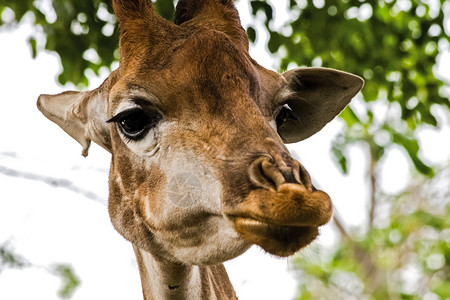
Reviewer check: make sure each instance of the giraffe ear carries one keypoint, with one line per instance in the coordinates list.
(80, 114)
(315, 96)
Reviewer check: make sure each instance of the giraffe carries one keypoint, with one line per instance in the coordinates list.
(197, 131)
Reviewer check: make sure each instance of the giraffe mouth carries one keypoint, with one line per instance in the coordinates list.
(282, 221)
(279, 240)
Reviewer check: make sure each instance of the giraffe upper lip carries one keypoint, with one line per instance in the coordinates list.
(292, 205)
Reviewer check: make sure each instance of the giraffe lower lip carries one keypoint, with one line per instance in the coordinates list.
(276, 239)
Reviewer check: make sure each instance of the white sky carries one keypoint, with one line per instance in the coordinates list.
(54, 225)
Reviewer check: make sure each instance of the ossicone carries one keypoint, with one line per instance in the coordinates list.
(128, 10)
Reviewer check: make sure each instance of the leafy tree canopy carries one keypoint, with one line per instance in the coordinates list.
(407, 258)
(392, 44)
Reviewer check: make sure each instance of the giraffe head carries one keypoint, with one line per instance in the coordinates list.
(196, 129)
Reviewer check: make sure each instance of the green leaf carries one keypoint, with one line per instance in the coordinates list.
(442, 289)
(10, 258)
(340, 158)
(70, 280)
(349, 116)
(165, 8)
(251, 32)
(412, 148)
(32, 42)
(263, 6)
(275, 41)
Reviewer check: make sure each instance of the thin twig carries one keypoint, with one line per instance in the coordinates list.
(374, 277)
(373, 189)
(54, 182)
(341, 228)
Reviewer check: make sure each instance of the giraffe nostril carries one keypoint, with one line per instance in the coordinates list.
(290, 177)
(303, 176)
(263, 174)
(267, 174)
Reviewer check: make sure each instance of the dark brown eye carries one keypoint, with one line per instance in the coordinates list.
(285, 114)
(135, 123)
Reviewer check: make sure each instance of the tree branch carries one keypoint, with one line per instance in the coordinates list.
(54, 182)
(373, 189)
(374, 277)
(341, 228)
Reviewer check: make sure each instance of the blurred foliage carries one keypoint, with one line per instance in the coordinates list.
(393, 45)
(69, 279)
(71, 29)
(406, 257)
(10, 259)
(83, 33)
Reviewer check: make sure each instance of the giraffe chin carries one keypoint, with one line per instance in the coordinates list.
(275, 239)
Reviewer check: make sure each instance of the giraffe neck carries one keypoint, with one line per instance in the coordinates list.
(167, 280)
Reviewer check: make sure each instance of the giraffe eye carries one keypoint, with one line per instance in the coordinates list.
(135, 123)
(285, 114)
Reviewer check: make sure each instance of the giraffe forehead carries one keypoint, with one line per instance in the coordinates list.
(203, 70)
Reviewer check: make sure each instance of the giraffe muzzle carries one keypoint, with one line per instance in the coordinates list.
(283, 213)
